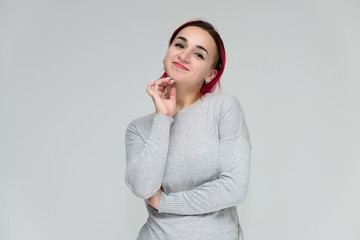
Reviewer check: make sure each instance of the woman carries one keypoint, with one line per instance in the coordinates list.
(190, 159)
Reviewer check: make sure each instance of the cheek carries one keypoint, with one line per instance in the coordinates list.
(204, 70)
(166, 63)
(167, 57)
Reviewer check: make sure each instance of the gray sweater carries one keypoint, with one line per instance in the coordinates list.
(201, 159)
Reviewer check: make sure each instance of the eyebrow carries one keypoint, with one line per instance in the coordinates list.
(198, 46)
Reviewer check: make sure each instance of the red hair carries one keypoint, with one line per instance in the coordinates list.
(220, 63)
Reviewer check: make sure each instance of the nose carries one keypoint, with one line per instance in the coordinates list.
(184, 56)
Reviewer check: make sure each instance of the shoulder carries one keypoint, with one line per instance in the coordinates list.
(221, 97)
(224, 101)
(144, 119)
(137, 128)
(141, 122)
(230, 116)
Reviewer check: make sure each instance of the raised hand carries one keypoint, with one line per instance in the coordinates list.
(163, 105)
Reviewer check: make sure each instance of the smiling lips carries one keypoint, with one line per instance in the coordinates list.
(180, 66)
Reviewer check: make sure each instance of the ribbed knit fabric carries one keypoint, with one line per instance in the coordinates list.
(201, 159)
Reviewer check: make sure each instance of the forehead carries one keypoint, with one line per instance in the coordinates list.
(198, 36)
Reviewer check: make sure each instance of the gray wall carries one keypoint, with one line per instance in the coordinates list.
(73, 75)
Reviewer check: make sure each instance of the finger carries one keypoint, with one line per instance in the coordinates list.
(155, 95)
(161, 83)
(158, 84)
(165, 87)
(164, 81)
(149, 88)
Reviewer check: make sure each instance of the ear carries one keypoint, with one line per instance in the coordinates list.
(211, 76)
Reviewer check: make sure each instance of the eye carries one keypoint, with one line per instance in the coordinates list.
(179, 45)
(199, 55)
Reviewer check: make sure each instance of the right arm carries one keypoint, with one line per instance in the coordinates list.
(146, 158)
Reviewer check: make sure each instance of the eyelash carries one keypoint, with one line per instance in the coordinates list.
(179, 45)
(199, 55)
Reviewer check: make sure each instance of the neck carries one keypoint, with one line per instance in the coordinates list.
(185, 98)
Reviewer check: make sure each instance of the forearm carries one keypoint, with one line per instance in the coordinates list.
(228, 190)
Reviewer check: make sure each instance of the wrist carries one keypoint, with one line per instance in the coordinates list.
(167, 114)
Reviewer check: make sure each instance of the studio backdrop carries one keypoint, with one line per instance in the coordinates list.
(73, 74)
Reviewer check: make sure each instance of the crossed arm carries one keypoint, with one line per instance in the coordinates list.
(228, 190)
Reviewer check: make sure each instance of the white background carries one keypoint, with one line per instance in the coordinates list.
(73, 75)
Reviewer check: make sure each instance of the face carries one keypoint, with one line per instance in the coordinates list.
(191, 57)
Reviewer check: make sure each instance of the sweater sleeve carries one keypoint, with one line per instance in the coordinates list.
(146, 158)
(230, 188)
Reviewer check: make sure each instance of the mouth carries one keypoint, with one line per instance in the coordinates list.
(180, 66)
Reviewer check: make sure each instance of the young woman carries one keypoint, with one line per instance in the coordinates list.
(190, 159)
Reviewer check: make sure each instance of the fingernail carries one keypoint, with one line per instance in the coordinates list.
(167, 78)
(172, 80)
